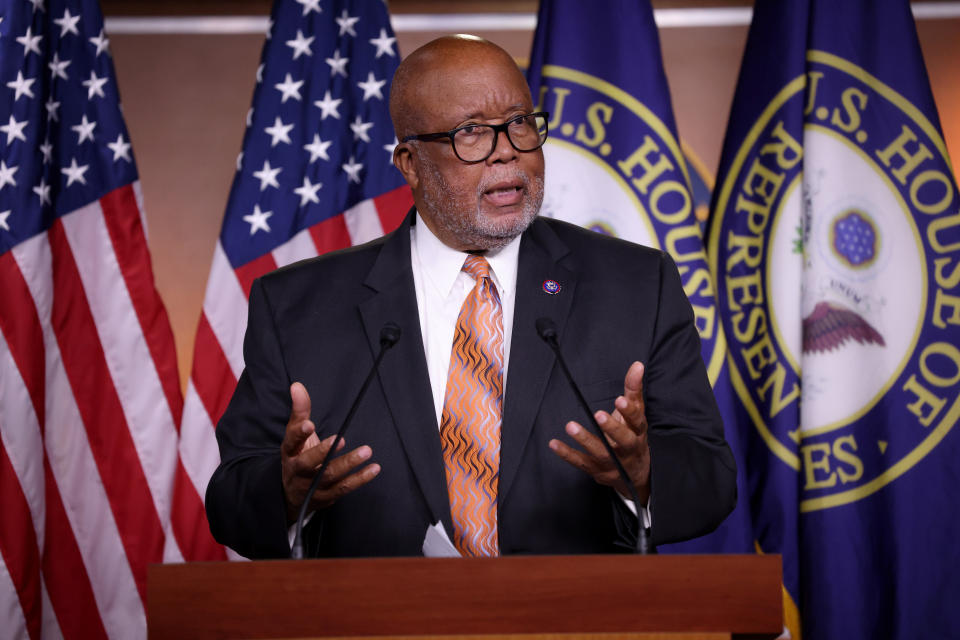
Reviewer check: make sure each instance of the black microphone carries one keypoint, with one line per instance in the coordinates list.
(389, 336)
(547, 331)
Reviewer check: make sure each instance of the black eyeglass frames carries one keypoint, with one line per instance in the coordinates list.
(475, 142)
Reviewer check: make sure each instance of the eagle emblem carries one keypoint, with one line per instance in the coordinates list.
(830, 325)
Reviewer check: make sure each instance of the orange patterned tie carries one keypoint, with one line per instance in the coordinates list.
(472, 411)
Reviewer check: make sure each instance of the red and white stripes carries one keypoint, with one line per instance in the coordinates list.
(97, 480)
(89, 408)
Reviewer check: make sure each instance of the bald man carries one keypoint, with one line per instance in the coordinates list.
(522, 475)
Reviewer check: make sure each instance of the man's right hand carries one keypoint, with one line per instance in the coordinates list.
(301, 454)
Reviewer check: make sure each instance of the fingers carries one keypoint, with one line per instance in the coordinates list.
(593, 460)
(351, 482)
(299, 427)
(302, 454)
(301, 402)
(344, 474)
(630, 408)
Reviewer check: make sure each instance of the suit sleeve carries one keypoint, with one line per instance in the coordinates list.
(693, 473)
(245, 501)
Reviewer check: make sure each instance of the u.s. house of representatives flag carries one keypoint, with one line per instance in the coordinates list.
(89, 392)
(614, 165)
(835, 236)
(315, 175)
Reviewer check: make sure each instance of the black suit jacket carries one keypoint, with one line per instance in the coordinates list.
(318, 322)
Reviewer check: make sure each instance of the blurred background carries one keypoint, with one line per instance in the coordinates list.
(186, 73)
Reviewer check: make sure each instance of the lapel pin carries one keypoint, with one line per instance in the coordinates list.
(551, 286)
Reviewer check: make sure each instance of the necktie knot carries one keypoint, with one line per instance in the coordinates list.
(477, 267)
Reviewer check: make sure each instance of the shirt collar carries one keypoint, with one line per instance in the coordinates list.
(441, 264)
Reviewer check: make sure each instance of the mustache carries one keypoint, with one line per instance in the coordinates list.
(503, 175)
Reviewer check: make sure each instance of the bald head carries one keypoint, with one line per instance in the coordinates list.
(426, 77)
(451, 83)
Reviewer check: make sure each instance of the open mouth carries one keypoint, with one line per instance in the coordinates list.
(505, 193)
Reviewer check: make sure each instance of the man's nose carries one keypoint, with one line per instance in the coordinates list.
(503, 151)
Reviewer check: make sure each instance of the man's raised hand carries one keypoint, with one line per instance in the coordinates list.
(301, 454)
(626, 431)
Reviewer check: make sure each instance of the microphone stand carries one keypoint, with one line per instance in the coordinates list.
(389, 335)
(547, 331)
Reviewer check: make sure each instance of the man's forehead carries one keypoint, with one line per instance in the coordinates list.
(456, 78)
(479, 84)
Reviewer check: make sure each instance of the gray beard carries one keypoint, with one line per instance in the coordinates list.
(468, 225)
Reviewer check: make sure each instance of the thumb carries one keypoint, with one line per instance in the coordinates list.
(301, 403)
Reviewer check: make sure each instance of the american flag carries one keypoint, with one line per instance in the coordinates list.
(89, 393)
(315, 175)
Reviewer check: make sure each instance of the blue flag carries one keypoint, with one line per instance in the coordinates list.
(835, 240)
(614, 164)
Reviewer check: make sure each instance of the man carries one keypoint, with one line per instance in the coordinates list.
(465, 424)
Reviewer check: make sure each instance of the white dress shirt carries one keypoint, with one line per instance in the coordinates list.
(442, 286)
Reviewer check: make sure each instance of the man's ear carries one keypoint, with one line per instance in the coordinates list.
(403, 160)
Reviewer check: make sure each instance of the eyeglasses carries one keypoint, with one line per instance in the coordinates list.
(475, 142)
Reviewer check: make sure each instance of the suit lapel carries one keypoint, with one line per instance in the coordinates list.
(531, 361)
(403, 372)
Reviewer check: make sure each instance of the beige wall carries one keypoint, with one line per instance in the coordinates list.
(185, 99)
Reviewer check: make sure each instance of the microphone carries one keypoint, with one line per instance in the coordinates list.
(389, 336)
(547, 331)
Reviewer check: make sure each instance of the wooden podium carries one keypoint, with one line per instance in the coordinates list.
(530, 597)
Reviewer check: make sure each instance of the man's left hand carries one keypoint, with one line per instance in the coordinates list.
(626, 431)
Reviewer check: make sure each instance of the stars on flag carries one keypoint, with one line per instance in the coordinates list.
(384, 44)
(6, 175)
(323, 151)
(43, 190)
(279, 132)
(30, 42)
(74, 172)
(346, 23)
(58, 67)
(318, 148)
(352, 168)
(268, 176)
(84, 130)
(289, 88)
(308, 192)
(68, 24)
(101, 42)
(338, 65)
(371, 88)
(300, 45)
(120, 148)
(310, 5)
(14, 130)
(390, 147)
(95, 85)
(258, 220)
(360, 129)
(47, 150)
(59, 150)
(21, 86)
(3, 220)
(329, 106)
(52, 106)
